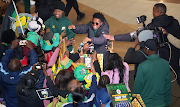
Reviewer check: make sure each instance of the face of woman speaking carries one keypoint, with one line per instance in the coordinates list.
(58, 13)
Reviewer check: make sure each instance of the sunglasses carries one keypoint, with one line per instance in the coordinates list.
(95, 23)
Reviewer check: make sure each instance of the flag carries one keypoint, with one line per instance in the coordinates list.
(7, 22)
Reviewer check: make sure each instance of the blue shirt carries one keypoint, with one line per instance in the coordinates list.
(102, 94)
(10, 79)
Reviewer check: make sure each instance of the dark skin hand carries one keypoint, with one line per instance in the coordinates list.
(135, 43)
(15, 43)
(44, 69)
(69, 42)
(29, 44)
(55, 100)
(59, 46)
(63, 34)
(93, 57)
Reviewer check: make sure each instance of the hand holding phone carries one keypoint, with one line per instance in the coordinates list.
(87, 62)
(38, 66)
(22, 42)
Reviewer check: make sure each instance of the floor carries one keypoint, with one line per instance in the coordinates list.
(121, 16)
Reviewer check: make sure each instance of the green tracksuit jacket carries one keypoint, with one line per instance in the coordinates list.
(59, 25)
(153, 82)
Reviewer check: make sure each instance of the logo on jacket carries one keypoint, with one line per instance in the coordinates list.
(11, 78)
(63, 28)
(53, 26)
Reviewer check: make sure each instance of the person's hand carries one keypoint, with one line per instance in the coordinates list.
(135, 43)
(44, 66)
(86, 39)
(55, 100)
(164, 31)
(60, 43)
(29, 44)
(34, 66)
(92, 65)
(71, 27)
(110, 37)
(81, 52)
(86, 47)
(63, 34)
(23, 36)
(15, 43)
(44, 69)
(35, 14)
(52, 76)
(81, 56)
(94, 56)
(69, 42)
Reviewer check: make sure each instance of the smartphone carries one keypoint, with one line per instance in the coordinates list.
(91, 48)
(109, 44)
(80, 46)
(22, 42)
(44, 93)
(38, 66)
(87, 62)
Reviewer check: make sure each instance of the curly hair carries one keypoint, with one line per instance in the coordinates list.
(8, 36)
(99, 16)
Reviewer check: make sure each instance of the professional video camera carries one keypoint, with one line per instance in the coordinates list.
(157, 31)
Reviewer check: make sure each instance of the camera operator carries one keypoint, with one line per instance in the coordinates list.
(171, 25)
(136, 57)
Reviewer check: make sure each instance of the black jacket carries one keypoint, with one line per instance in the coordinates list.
(3, 48)
(172, 26)
(55, 91)
(135, 57)
(28, 100)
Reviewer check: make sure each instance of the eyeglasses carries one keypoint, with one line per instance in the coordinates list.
(95, 23)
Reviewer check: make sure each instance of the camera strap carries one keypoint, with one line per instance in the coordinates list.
(142, 53)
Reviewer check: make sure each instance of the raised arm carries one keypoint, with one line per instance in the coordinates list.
(79, 29)
(8, 53)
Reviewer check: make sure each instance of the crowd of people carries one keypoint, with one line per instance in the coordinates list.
(42, 68)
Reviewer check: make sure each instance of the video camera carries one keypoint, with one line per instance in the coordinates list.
(157, 32)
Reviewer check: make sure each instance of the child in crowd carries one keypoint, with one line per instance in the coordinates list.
(102, 96)
(117, 71)
(6, 39)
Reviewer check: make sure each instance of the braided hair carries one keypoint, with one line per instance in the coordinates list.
(104, 80)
